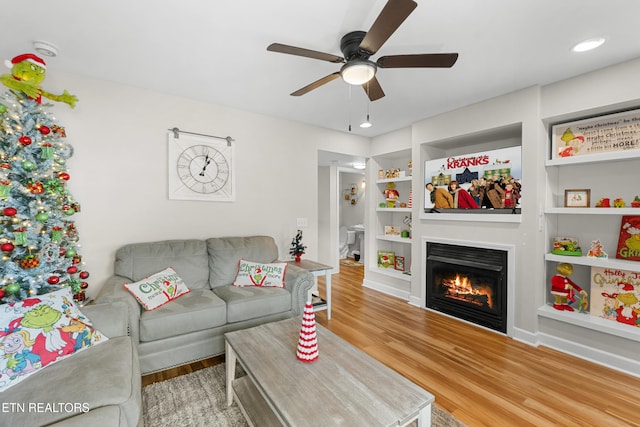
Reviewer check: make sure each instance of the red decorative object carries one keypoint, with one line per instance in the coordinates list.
(10, 211)
(44, 130)
(35, 187)
(30, 261)
(53, 280)
(25, 140)
(84, 275)
(298, 257)
(308, 342)
(72, 269)
(84, 285)
(64, 176)
(629, 240)
(6, 247)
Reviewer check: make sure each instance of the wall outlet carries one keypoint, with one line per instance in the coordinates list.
(302, 222)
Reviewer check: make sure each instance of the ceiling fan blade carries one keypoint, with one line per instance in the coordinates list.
(426, 60)
(308, 88)
(373, 89)
(392, 16)
(307, 53)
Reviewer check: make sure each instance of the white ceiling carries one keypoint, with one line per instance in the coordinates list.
(215, 51)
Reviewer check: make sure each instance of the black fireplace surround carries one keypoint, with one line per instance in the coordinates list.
(469, 283)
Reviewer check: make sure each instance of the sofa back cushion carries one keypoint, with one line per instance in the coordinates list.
(225, 254)
(187, 257)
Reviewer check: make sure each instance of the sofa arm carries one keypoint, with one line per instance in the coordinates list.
(111, 319)
(113, 291)
(299, 282)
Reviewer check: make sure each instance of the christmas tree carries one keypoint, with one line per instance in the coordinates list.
(38, 238)
(297, 248)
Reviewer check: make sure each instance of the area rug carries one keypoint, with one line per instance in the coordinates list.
(199, 399)
(350, 262)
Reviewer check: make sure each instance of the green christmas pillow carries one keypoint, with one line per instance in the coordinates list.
(39, 331)
(158, 289)
(269, 275)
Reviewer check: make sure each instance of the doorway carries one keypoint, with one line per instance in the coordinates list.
(340, 175)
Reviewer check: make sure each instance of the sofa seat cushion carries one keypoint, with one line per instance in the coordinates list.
(198, 310)
(252, 302)
(101, 376)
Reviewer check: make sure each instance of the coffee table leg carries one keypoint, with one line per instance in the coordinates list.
(424, 417)
(230, 362)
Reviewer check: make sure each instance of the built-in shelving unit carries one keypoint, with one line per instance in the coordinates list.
(612, 174)
(393, 216)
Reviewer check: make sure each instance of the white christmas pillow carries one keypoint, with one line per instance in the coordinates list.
(269, 275)
(158, 289)
(40, 331)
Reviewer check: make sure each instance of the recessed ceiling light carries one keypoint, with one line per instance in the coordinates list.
(359, 165)
(588, 45)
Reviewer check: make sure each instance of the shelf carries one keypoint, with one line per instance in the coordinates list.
(400, 179)
(472, 217)
(593, 211)
(591, 322)
(394, 238)
(393, 209)
(392, 273)
(594, 158)
(595, 262)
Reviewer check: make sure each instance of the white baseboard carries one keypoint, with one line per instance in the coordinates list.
(385, 289)
(613, 361)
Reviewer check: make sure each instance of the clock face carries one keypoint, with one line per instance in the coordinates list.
(203, 169)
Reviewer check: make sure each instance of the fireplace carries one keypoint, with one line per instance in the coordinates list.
(468, 282)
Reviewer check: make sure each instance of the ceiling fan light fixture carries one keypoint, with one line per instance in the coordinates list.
(587, 45)
(358, 72)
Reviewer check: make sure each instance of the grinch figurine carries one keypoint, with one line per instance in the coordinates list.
(562, 288)
(27, 72)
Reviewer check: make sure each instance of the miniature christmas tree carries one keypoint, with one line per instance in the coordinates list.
(38, 238)
(297, 248)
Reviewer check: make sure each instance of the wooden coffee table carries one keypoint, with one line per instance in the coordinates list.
(344, 387)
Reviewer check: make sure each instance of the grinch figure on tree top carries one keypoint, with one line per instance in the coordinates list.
(27, 72)
(297, 248)
(38, 237)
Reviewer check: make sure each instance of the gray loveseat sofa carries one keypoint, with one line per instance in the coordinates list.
(192, 327)
(99, 386)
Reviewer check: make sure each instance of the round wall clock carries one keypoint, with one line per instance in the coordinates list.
(200, 168)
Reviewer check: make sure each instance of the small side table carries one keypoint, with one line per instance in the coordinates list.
(318, 270)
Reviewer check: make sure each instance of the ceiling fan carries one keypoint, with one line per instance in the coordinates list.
(358, 46)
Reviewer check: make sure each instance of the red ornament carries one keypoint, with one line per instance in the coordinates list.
(72, 269)
(1, 293)
(44, 130)
(36, 187)
(28, 262)
(64, 176)
(53, 280)
(25, 140)
(6, 247)
(84, 275)
(84, 285)
(10, 211)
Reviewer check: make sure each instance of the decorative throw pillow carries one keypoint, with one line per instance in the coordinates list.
(260, 274)
(39, 331)
(158, 289)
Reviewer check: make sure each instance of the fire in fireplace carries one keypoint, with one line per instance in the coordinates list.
(469, 283)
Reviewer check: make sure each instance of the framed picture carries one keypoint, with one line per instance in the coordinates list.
(399, 263)
(577, 198)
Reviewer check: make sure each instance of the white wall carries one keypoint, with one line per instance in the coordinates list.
(119, 170)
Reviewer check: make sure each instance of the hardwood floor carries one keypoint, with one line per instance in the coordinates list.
(482, 378)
